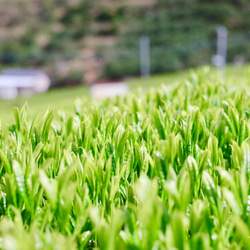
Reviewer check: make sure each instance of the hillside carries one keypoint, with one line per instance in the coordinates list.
(62, 36)
(85, 40)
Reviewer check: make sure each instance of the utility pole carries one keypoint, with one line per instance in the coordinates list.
(144, 56)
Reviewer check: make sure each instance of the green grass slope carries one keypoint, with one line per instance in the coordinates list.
(63, 98)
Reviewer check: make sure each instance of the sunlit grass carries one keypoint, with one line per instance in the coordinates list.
(163, 168)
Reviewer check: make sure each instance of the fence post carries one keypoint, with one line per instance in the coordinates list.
(219, 60)
(144, 56)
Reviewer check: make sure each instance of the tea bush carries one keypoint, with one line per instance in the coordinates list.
(166, 168)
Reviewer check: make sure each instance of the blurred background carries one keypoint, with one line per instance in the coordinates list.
(85, 41)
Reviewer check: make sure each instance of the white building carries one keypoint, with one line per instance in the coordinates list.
(22, 81)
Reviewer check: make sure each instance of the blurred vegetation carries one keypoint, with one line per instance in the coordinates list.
(182, 34)
(83, 40)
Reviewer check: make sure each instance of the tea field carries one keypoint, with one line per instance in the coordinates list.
(164, 167)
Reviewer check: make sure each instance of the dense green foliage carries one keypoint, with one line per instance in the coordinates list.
(182, 34)
(164, 169)
(37, 27)
(53, 33)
